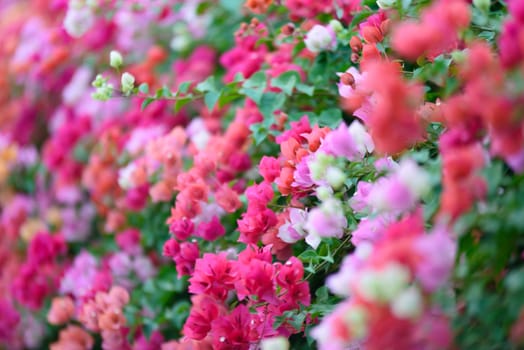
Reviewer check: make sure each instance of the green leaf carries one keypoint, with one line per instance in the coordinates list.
(163, 92)
(259, 133)
(211, 99)
(286, 81)
(144, 88)
(256, 80)
(297, 321)
(184, 87)
(255, 86)
(322, 294)
(181, 102)
(330, 118)
(306, 89)
(209, 84)
(270, 102)
(147, 102)
(231, 5)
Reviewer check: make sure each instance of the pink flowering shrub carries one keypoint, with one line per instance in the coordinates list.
(261, 174)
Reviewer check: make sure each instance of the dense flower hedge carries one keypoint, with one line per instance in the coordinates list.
(229, 174)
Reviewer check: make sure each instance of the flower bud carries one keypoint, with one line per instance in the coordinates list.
(320, 38)
(408, 305)
(275, 343)
(324, 193)
(288, 29)
(335, 177)
(386, 4)
(115, 59)
(336, 25)
(482, 5)
(355, 43)
(372, 34)
(128, 82)
(356, 318)
(347, 79)
(414, 178)
(99, 81)
(319, 164)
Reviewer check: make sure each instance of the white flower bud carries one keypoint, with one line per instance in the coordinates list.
(384, 285)
(408, 305)
(386, 4)
(115, 59)
(336, 25)
(275, 343)
(324, 193)
(356, 321)
(128, 82)
(393, 280)
(335, 177)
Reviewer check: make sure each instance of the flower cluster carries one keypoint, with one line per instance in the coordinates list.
(261, 174)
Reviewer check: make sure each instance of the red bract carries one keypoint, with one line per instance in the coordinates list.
(393, 122)
(436, 33)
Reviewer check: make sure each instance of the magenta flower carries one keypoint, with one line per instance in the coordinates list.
(214, 276)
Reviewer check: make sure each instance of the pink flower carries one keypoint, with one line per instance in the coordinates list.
(269, 168)
(308, 8)
(203, 312)
(293, 230)
(390, 195)
(255, 223)
(227, 198)
(352, 143)
(211, 230)
(9, 319)
(182, 228)
(321, 38)
(214, 276)
(370, 229)
(328, 220)
(438, 250)
(44, 248)
(186, 257)
(255, 279)
(129, 241)
(234, 331)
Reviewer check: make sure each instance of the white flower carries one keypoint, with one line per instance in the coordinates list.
(320, 38)
(78, 21)
(408, 305)
(413, 177)
(125, 180)
(361, 138)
